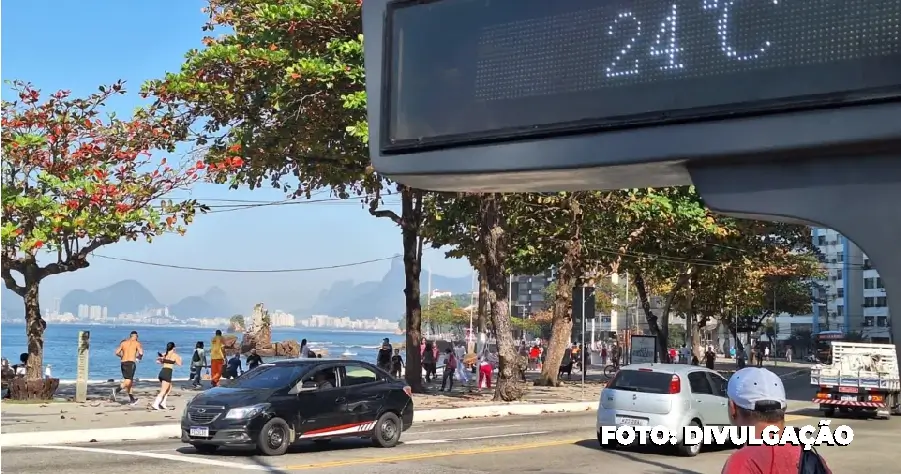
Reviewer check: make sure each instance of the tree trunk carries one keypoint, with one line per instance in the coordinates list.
(494, 248)
(34, 329)
(694, 323)
(561, 331)
(659, 326)
(562, 322)
(483, 302)
(411, 200)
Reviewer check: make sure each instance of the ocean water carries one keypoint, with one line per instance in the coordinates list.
(60, 346)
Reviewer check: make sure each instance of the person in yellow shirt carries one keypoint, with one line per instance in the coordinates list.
(217, 359)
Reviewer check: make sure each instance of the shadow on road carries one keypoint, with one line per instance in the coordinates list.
(638, 454)
(302, 448)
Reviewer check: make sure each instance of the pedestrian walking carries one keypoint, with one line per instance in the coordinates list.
(254, 360)
(217, 358)
(233, 367)
(383, 359)
(129, 353)
(450, 368)
(198, 363)
(788, 353)
(428, 361)
(168, 360)
(304, 349)
(397, 363)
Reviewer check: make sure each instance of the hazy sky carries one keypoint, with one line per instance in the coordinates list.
(81, 45)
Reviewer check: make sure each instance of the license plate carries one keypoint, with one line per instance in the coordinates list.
(627, 420)
(847, 389)
(200, 431)
(848, 398)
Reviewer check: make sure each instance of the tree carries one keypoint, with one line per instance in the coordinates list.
(494, 243)
(73, 182)
(673, 224)
(764, 269)
(445, 313)
(285, 86)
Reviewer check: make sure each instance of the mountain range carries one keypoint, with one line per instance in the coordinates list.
(383, 298)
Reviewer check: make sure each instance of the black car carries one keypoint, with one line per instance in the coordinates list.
(279, 403)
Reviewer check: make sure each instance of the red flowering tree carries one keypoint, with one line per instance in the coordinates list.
(74, 181)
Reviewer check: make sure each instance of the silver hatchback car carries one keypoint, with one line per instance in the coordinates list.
(669, 395)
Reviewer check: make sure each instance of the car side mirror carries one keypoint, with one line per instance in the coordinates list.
(308, 386)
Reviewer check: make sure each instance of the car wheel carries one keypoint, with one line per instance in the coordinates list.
(611, 445)
(690, 450)
(386, 433)
(205, 448)
(273, 438)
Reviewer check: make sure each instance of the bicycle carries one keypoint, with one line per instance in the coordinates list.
(611, 370)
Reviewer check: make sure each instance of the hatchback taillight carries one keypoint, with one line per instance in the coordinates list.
(408, 390)
(675, 384)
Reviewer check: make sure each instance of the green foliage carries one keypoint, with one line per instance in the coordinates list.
(445, 313)
(237, 320)
(284, 87)
(531, 326)
(677, 336)
(72, 181)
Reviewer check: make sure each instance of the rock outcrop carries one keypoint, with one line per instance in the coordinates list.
(259, 336)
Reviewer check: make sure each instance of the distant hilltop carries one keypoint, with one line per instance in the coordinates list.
(383, 299)
(371, 299)
(130, 296)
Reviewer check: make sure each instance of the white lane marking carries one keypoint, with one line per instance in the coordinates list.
(507, 435)
(474, 428)
(426, 441)
(203, 460)
(474, 438)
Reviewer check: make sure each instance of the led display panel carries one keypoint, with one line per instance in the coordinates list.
(459, 72)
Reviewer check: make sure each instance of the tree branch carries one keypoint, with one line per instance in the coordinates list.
(77, 261)
(8, 279)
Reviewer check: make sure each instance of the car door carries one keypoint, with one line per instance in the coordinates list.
(702, 399)
(322, 413)
(718, 384)
(366, 392)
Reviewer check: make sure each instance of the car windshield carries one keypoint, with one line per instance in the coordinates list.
(641, 381)
(270, 376)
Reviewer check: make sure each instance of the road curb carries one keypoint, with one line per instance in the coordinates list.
(155, 432)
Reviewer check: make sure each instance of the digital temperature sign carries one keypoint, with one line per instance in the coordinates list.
(459, 72)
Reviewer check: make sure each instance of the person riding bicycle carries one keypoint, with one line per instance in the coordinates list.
(616, 354)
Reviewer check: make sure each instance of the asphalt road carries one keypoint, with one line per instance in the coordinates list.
(553, 443)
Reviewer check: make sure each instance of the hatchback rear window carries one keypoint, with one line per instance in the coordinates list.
(641, 381)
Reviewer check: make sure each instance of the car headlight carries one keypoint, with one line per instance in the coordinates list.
(242, 413)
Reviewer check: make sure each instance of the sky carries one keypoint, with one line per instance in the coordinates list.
(79, 45)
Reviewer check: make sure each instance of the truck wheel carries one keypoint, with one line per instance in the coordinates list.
(829, 412)
(273, 438)
(386, 433)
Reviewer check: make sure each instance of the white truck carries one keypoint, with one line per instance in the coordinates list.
(862, 377)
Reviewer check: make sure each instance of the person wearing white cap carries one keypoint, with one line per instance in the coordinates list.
(757, 399)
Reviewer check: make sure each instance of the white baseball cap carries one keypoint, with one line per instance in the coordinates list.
(757, 389)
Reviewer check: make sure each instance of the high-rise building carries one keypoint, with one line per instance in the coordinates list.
(527, 293)
(851, 298)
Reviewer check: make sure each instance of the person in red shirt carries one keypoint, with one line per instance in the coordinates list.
(757, 398)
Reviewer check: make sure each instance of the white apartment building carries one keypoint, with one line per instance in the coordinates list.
(852, 296)
(280, 319)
